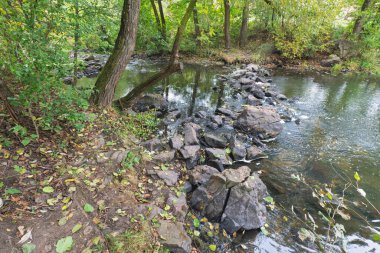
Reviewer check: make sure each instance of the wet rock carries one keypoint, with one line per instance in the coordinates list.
(254, 153)
(174, 236)
(176, 142)
(331, 61)
(165, 157)
(259, 120)
(170, 177)
(201, 174)
(173, 116)
(209, 199)
(251, 100)
(245, 208)
(258, 94)
(245, 81)
(238, 150)
(190, 133)
(235, 176)
(90, 58)
(238, 73)
(281, 97)
(150, 102)
(217, 120)
(226, 112)
(153, 144)
(215, 140)
(218, 155)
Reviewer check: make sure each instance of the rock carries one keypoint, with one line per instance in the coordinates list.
(169, 176)
(215, 140)
(226, 112)
(281, 97)
(119, 155)
(245, 209)
(235, 176)
(189, 151)
(201, 174)
(238, 73)
(187, 187)
(331, 61)
(260, 79)
(174, 236)
(173, 116)
(179, 206)
(176, 142)
(150, 102)
(217, 120)
(238, 150)
(90, 58)
(201, 114)
(190, 134)
(245, 81)
(219, 155)
(251, 100)
(257, 120)
(153, 144)
(68, 80)
(209, 199)
(254, 153)
(215, 164)
(258, 94)
(165, 157)
(253, 67)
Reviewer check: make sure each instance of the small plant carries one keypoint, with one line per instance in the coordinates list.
(142, 125)
(22, 134)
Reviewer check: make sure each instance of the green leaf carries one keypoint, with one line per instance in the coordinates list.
(329, 196)
(269, 199)
(196, 223)
(197, 233)
(88, 208)
(12, 191)
(1, 184)
(212, 247)
(64, 244)
(357, 177)
(76, 228)
(228, 150)
(28, 248)
(264, 231)
(376, 237)
(48, 189)
(25, 141)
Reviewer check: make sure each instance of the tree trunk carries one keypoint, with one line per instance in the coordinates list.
(359, 23)
(5, 94)
(163, 22)
(227, 36)
(243, 38)
(196, 27)
(158, 22)
(173, 65)
(76, 41)
(124, 47)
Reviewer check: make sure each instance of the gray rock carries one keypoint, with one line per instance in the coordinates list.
(245, 81)
(201, 174)
(174, 236)
(260, 79)
(261, 121)
(235, 176)
(187, 187)
(331, 61)
(258, 94)
(282, 97)
(219, 155)
(190, 133)
(169, 176)
(173, 116)
(165, 157)
(179, 206)
(245, 208)
(153, 144)
(201, 114)
(209, 199)
(254, 153)
(150, 102)
(238, 150)
(251, 100)
(215, 140)
(253, 67)
(217, 120)
(189, 151)
(226, 112)
(176, 142)
(238, 73)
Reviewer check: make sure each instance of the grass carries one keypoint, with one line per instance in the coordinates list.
(142, 125)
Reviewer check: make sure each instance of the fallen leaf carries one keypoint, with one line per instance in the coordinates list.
(26, 237)
(64, 244)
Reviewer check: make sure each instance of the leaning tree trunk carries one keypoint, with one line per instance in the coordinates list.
(243, 38)
(227, 36)
(124, 47)
(173, 66)
(163, 22)
(197, 28)
(359, 23)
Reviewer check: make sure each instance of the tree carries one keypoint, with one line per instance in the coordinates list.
(163, 22)
(197, 29)
(243, 38)
(173, 66)
(227, 36)
(361, 18)
(124, 47)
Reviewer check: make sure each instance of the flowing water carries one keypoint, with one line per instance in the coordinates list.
(338, 135)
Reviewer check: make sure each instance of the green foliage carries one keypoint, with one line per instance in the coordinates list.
(130, 160)
(142, 125)
(88, 208)
(64, 244)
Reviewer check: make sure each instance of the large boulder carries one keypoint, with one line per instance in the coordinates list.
(260, 121)
(217, 154)
(150, 102)
(174, 236)
(215, 140)
(201, 174)
(191, 135)
(245, 209)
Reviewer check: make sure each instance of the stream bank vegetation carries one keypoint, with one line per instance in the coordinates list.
(47, 126)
